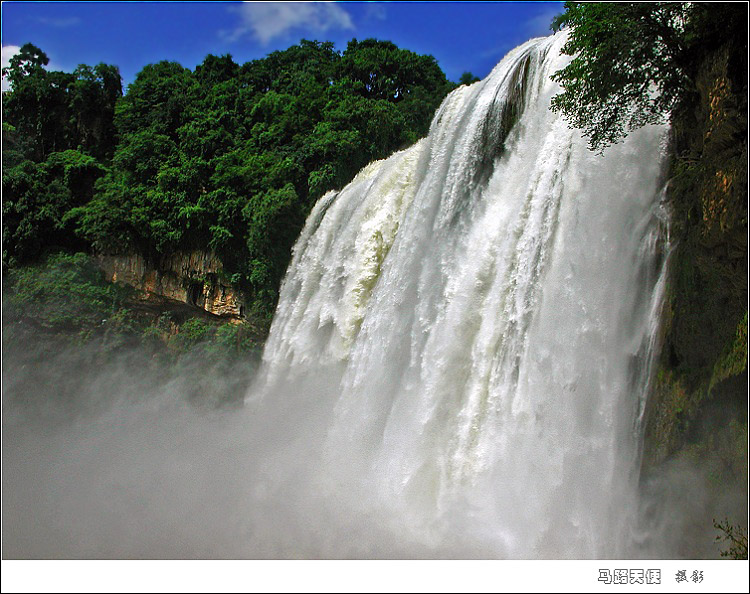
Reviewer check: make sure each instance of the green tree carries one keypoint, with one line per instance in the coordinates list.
(29, 60)
(157, 99)
(63, 292)
(633, 63)
(228, 158)
(57, 134)
(37, 198)
(37, 105)
(467, 78)
(734, 536)
(93, 94)
(216, 69)
(380, 70)
(52, 111)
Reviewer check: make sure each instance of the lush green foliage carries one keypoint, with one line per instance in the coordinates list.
(66, 296)
(735, 537)
(58, 133)
(227, 158)
(69, 336)
(37, 197)
(467, 78)
(65, 292)
(633, 62)
(50, 111)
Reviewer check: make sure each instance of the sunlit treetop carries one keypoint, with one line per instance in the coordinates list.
(632, 62)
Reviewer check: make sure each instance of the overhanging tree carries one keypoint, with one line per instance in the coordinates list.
(633, 63)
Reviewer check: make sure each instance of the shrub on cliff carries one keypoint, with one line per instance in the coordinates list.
(65, 292)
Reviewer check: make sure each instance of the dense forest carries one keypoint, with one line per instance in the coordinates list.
(227, 157)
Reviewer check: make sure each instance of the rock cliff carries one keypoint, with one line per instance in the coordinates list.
(195, 278)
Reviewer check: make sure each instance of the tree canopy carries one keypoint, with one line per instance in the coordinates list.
(633, 63)
(467, 78)
(226, 157)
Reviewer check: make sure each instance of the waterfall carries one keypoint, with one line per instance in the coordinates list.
(473, 319)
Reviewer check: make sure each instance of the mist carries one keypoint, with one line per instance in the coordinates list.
(123, 460)
(117, 461)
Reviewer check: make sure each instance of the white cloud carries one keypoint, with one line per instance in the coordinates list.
(59, 22)
(375, 10)
(266, 20)
(539, 26)
(8, 52)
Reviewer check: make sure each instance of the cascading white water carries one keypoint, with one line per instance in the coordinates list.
(479, 312)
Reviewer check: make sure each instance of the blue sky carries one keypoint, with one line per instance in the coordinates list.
(463, 36)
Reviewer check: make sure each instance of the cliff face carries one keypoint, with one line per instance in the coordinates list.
(698, 409)
(194, 278)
